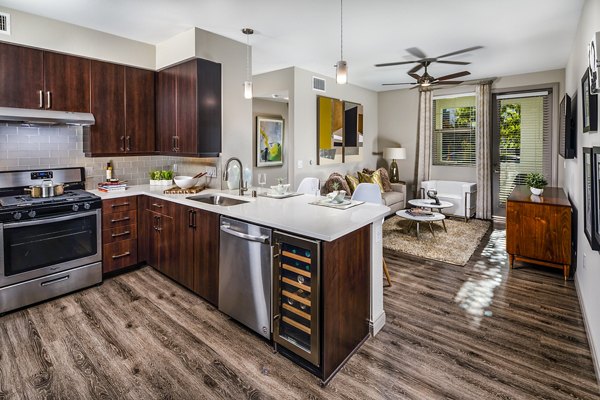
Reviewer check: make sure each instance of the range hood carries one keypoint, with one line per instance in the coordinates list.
(45, 117)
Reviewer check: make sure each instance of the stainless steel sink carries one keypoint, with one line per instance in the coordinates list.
(217, 199)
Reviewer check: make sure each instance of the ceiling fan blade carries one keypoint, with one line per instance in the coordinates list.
(454, 62)
(395, 63)
(451, 76)
(416, 52)
(415, 69)
(394, 84)
(416, 76)
(447, 83)
(461, 51)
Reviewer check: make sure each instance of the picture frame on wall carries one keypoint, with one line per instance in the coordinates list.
(589, 213)
(596, 193)
(269, 141)
(589, 107)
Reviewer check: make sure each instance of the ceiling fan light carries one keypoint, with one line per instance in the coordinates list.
(341, 72)
(247, 89)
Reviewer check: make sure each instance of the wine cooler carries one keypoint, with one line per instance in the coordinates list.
(296, 278)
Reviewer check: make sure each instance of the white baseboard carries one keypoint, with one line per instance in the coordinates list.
(590, 338)
(376, 325)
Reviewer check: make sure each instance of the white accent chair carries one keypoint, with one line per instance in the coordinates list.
(309, 186)
(462, 194)
(370, 193)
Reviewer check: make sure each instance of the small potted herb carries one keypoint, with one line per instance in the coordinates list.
(536, 183)
(161, 177)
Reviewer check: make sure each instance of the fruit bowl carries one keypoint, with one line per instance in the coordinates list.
(185, 182)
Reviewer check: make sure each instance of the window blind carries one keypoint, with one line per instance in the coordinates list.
(454, 123)
(525, 123)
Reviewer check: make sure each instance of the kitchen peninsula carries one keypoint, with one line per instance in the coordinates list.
(336, 285)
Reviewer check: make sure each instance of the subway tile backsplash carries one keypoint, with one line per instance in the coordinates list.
(51, 147)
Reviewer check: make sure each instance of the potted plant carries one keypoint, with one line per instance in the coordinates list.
(161, 177)
(536, 183)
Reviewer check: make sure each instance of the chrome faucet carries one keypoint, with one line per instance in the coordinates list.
(226, 174)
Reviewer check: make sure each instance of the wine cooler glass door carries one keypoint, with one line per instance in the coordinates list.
(296, 296)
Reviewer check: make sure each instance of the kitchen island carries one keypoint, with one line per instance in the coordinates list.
(349, 254)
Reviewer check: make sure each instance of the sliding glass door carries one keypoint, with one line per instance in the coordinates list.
(522, 142)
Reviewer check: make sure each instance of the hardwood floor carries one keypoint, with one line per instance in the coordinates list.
(476, 332)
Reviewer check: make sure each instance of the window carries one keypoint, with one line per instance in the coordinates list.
(454, 130)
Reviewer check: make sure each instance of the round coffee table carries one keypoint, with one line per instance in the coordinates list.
(428, 203)
(421, 218)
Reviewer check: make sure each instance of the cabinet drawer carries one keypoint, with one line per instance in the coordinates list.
(119, 255)
(119, 233)
(120, 219)
(161, 206)
(119, 205)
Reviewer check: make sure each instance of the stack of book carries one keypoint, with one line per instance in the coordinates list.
(419, 212)
(112, 186)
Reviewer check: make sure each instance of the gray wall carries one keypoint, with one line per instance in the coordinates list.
(588, 261)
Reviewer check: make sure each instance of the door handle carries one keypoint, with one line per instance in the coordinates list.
(122, 143)
(128, 147)
(120, 220)
(121, 255)
(120, 234)
(48, 100)
(41, 93)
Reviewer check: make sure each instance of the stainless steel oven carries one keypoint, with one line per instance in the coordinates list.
(31, 249)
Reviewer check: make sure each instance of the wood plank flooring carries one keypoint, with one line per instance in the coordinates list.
(476, 332)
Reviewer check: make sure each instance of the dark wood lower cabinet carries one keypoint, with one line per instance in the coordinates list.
(119, 234)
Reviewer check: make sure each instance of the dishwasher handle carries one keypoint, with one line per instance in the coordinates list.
(245, 236)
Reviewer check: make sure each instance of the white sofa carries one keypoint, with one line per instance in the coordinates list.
(462, 194)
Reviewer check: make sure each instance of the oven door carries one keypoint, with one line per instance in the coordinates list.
(35, 248)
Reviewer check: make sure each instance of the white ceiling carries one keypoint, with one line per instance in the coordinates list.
(518, 36)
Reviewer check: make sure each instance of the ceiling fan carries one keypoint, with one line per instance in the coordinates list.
(423, 62)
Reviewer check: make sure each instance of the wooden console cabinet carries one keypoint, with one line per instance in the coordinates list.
(538, 228)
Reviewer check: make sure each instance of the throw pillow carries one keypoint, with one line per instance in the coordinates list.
(352, 182)
(335, 180)
(385, 180)
(375, 177)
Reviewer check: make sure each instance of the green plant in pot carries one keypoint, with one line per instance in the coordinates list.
(536, 183)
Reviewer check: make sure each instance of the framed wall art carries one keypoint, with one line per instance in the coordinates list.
(269, 141)
(596, 193)
(589, 105)
(589, 214)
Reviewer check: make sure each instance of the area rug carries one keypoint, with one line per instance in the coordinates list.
(454, 247)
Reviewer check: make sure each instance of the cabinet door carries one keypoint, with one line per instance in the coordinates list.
(208, 128)
(139, 110)
(186, 217)
(187, 107)
(22, 79)
(168, 256)
(66, 82)
(206, 255)
(165, 110)
(108, 107)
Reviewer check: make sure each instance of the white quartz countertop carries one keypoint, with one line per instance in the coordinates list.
(292, 214)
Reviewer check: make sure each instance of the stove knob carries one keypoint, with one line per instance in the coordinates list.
(17, 215)
(31, 214)
(75, 207)
(86, 206)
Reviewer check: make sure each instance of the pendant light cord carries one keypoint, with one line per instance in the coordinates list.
(341, 29)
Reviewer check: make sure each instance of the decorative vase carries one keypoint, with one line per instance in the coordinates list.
(536, 191)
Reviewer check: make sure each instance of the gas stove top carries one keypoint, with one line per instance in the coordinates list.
(10, 202)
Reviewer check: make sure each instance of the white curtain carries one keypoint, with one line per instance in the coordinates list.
(424, 134)
(484, 147)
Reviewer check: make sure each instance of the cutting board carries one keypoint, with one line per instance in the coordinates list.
(178, 190)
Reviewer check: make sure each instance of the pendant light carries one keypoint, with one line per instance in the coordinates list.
(341, 67)
(248, 81)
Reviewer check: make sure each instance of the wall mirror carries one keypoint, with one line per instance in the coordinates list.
(339, 131)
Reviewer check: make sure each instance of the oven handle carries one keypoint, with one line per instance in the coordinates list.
(53, 281)
(49, 220)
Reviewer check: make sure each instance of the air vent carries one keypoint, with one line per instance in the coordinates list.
(5, 23)
(318, 84)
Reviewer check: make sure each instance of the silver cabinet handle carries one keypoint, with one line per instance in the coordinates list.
(48, 99)
(41, 93)
(121, 255)
(128, 146)
(122, 143)
(261, 239)
(120, 219)
(52, 282)
(120, 205)
(114, 235)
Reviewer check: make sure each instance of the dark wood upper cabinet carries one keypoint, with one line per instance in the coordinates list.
(107, 135)
(34, 78)
(21, 77)
(66, 82)
(189, 109)
(122, 100)
(139, 110)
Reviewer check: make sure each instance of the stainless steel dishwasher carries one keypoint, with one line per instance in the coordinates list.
(245, 274)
